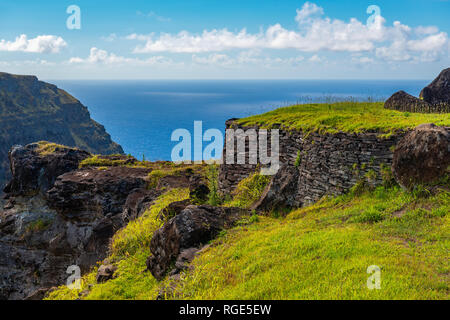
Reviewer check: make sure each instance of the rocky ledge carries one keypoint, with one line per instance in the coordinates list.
(58, 215)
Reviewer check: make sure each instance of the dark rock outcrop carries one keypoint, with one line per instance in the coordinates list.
(281, 193)
(173, 209)
(438, 90)
(186, 233)
(42, 234)
(434, 98)
(422, 156)
(137, 202)
(35, 171)
(32, 110)
(89, 193)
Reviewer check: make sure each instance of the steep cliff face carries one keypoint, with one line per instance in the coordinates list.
(32, 110)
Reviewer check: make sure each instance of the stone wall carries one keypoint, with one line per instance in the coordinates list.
(329, 164)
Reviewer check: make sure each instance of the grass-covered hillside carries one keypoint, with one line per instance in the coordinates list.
(318, 252)
(344, 116)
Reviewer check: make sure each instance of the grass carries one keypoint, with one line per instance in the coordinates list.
(351, 117)
(45, 148)
(130, 248)
(249, 190)
(98, 161)
(319, 252)
(323, 252)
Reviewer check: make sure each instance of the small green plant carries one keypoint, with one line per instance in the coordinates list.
(212, 176)
(387, 176)
(154, 178)
(38, 225)
(420, 191)
(360, 187)
(371, 175)
(370, 216)
(298, 159)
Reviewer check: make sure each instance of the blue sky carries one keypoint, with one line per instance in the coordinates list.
(226, 39)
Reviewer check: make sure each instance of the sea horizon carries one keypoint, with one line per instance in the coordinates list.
(140, 115)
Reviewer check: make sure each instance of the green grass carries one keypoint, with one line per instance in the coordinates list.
(130, 248)
(343, 116)
(248, 191)
(323, 252)
(318, 252)
(46, 148)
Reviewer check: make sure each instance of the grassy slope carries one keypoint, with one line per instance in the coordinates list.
(323, 251)
(345, 116)
(318, 252)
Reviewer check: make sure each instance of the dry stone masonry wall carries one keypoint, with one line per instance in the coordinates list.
(327, 164)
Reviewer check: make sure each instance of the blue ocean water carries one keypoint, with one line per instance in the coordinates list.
(141, 115)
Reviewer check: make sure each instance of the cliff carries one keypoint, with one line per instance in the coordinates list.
(33, 110)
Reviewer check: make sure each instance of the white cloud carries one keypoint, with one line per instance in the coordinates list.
(315, 33)
(40, 44)
(315, 58)
(308, 11)
(152, 14)
(112, 37)
(98, 56)
(214, 59)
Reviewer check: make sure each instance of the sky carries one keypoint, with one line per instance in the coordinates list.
(233, 39)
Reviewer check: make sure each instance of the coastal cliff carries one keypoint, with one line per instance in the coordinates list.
(33, 110)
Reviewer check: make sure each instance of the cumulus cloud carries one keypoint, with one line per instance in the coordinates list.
(315, 33)
(40, 44)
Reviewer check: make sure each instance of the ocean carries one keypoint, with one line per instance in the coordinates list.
(141, 115)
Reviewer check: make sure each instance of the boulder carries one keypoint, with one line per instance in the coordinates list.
(105, 273)
(281, 191)
(34, 171)
(422, 156)
(190, 229)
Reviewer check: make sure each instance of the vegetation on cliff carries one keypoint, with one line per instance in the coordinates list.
(129, 251)
(318, 252)
(352, 117)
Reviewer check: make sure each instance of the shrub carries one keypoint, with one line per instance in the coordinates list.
(212, 176)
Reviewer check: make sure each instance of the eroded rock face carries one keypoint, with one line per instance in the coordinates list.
(42, 234)
(137, 202)
(34, 172)
(281, 193)
(438, 90)
(187, 232)
(422, 156)
(87, 194)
